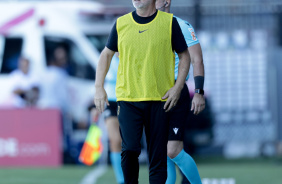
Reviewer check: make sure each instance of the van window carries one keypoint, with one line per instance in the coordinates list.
(98, 41)
(11, 54)
(77, 65)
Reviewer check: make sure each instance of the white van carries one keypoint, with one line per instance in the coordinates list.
(34, 29)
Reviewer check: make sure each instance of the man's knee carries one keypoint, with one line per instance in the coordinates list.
(174, 148)
(172, 153)
(130, 155)
(115, 140)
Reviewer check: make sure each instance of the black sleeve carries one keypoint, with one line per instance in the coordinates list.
(112, 42)
(178, 41)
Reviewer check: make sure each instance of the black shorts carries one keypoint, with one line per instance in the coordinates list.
(111, 111)
(178, 116)
(133, 118)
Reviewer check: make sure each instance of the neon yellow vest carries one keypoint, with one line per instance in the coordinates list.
(146, 67)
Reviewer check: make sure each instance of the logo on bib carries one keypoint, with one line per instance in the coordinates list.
(143, 31)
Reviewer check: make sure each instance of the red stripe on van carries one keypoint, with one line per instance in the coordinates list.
(4, 28)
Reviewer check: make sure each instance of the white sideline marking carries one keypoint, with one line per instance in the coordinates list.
(218, 181)
(92, 176)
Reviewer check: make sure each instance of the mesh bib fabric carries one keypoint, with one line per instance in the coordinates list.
(146, 68)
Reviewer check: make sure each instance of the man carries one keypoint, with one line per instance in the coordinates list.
(178, 114)
(25, 86)
(55, 94)
(54, 88)
(146, 40)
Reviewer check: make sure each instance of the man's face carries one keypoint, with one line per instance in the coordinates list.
(60, 56)
(141, 4)
(160, 5)
(24, 65)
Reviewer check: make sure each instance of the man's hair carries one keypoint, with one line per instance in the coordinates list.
(23, 58)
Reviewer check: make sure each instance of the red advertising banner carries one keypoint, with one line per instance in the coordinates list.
(30, 137)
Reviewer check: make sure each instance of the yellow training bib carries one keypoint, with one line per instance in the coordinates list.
(146, 67)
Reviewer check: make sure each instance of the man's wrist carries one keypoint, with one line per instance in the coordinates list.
(200, 91)
(98, 86)
(199, 82)
(178, 86)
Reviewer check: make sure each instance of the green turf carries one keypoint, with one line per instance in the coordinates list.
(63, 175)
(244, 171)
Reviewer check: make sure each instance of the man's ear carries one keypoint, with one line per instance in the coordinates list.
(167, 3)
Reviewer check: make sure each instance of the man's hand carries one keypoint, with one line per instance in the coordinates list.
(100, 98)
(94, 115)
(198, 103)
(172, 97)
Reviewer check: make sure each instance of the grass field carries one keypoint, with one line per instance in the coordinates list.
(243, 171)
